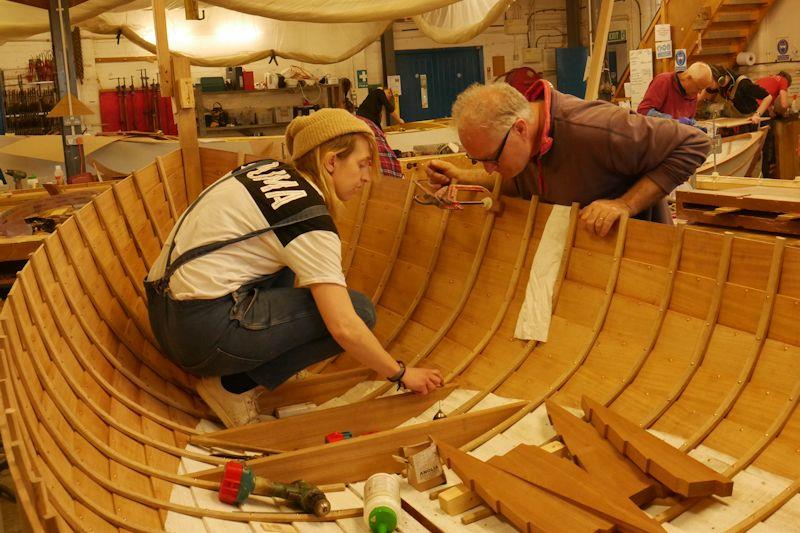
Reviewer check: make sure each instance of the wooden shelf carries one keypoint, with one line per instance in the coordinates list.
(257, 91)
(247, 127)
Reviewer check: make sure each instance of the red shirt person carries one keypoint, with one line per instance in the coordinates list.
(675, 95)
(778, 88)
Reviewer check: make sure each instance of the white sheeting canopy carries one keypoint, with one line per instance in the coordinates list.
(242, 31)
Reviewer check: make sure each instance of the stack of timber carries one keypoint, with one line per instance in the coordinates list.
(689, 334)
(764, 205)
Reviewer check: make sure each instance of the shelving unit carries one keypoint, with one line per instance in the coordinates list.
(235, 100)
(27, 121)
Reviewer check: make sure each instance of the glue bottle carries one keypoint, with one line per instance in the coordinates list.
(381, 503)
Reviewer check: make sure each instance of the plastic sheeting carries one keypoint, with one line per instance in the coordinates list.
(322, 31)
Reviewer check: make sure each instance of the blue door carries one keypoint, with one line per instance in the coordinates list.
(570, 66)
(431, 79)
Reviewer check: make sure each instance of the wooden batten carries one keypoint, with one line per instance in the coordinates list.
(309, 429)
(358, 458)
(526, 506)
(676, 470)
(187, 133)
(599, 458)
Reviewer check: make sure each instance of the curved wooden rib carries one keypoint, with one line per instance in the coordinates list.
(72, 337)
(708, 328)
(398, 240)
(509, 295)
(622, 227)
(352, 243)
(162, 173)
(437, 248)
(472, 275)
(749, 367)
(768, 510)
(672, 268)
(530, 345)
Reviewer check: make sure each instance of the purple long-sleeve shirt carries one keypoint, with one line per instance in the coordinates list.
(600, 150)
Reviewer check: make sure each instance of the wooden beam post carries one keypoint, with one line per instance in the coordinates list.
(192, 8)
(599, 50)
(162, 47)
(187, 126)
(64, 60)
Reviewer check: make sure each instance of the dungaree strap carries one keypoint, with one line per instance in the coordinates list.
(162, 284)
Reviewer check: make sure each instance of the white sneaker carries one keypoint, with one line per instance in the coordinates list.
(232, 409)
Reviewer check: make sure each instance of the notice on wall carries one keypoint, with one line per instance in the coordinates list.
(641, 65)
(393, 83)
(664, 50)
(641, 68)
(662, 32)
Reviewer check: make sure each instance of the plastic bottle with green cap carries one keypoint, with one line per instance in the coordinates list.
(381, 503)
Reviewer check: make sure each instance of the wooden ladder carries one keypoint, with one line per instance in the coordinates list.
(713, 33)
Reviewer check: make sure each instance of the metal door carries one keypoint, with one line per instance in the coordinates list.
(431, 79)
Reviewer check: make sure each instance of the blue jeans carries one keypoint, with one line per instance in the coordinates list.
(268, 330)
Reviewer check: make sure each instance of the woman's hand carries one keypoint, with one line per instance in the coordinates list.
(422, 380)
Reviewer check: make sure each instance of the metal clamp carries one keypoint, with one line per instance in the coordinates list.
(447, 197)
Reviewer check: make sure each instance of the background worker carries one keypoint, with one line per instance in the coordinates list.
(222, 298)
(676, 94)
(778, 88)
(565, 149)
(746, 97)
(376, 101)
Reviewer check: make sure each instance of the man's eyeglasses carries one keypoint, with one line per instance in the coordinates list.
(496, 159)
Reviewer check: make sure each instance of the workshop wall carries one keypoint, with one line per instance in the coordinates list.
(780, 22)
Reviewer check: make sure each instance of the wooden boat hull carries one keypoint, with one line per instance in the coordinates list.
(741, 156)
(691, 334)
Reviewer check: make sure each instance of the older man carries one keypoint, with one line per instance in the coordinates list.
(675, 94)
(565, 149)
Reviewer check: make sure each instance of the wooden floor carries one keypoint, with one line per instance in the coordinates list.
(690, 334)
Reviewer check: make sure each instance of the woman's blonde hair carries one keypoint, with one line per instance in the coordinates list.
(312, 167)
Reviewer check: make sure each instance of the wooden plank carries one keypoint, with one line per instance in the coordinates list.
(568, 481)
(527, 507)
(162, 47)
(676, 470)
(315, 389)
(599, 457)
(125, 59)
(187, 134)
(722, 211)
(358, 458)
(309, 429)
(476, 515)
(599, 50)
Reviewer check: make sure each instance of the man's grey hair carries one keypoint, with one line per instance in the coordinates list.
(493, 108)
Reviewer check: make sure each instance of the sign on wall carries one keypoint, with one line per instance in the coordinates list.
(393, 82)
(363, 79)
(664, 50)
(680, 59)
(663, 32)
(783, 49)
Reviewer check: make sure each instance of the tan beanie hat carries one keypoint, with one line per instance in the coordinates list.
(307, 132)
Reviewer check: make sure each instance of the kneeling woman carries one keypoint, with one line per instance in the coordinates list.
(249, 289)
